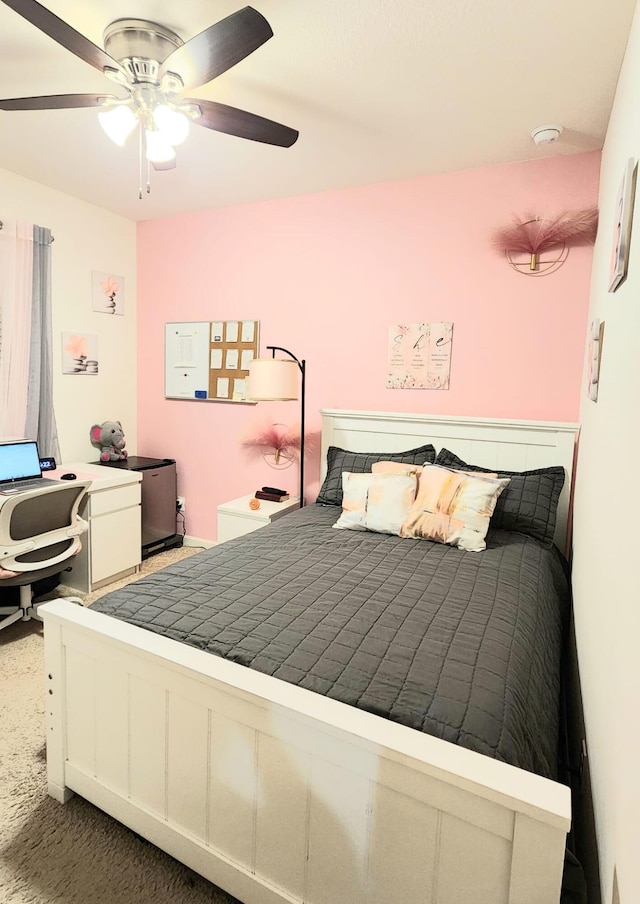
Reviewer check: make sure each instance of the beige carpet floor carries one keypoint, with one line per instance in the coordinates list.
(71, 854)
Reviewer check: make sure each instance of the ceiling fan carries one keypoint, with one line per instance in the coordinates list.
(156, 66)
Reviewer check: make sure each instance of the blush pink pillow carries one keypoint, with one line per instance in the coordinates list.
(399, 468)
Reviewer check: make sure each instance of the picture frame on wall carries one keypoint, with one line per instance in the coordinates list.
(622, 226)
(107, 293)
(79, 353)
(419, 355)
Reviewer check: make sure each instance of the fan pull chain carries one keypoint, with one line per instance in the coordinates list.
(142, 147)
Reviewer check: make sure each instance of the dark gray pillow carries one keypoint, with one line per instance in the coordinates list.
(339, 460)
(528, 504)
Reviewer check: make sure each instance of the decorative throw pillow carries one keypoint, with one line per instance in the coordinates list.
(376, 502)
(395, 467)
(529, 505)
(339, 460)
(453, 507)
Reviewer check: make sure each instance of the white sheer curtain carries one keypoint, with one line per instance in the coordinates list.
(26, 390)
(16, 292)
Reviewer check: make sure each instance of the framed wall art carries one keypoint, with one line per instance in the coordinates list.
(107, 293)
(419, 355)
(79, 353)
(622, 226)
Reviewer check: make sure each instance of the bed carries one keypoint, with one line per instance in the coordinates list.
(343, 786)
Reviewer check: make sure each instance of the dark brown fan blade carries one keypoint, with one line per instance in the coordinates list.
(222, 118)
(63, 33)
(55, 102)
(218, 47)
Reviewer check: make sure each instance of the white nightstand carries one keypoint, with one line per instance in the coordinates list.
(235, 518)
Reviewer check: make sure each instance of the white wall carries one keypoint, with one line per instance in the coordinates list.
(86, 238)
(607, 508)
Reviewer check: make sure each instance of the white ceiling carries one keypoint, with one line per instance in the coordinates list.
(379, 90)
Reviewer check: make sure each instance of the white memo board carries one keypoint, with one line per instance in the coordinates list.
(187, 360)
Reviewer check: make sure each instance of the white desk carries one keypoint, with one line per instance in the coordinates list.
(112, 548)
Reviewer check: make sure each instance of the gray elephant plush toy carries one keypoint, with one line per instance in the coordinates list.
(109, 438)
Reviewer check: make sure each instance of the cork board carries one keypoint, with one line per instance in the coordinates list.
(233, 344)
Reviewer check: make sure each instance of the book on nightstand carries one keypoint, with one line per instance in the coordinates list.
(271, 497)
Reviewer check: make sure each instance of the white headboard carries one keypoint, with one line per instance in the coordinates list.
(489, 442)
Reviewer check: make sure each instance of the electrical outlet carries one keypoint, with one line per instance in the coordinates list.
(180, 504)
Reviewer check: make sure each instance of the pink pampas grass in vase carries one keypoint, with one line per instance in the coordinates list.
(534, 234)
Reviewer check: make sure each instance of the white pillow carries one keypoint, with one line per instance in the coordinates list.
(376, 502)
(453, 507)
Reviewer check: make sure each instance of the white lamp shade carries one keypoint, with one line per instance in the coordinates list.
(172, 125)
(273, 380)
(158, 148)
(118, 122)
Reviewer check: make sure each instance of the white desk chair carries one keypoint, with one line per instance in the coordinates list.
(39, 533)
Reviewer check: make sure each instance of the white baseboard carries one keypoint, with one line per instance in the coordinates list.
(198, 541)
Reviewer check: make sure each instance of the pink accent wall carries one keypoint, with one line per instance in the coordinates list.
(327, 274)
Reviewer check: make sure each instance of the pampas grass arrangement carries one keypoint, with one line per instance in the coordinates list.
(276, 440)
(533, 234)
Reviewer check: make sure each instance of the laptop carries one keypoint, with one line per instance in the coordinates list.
(20, 468)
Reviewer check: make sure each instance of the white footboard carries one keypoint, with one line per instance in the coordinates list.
(280, 795)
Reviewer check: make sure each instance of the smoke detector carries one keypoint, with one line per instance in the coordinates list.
(546, 134)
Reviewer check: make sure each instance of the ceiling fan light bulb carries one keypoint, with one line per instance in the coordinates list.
(172, 124)
(158, 148)
(118, 123)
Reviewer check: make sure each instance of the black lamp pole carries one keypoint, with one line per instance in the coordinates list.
(303, 368)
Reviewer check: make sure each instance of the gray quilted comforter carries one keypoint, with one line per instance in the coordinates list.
(464, 646)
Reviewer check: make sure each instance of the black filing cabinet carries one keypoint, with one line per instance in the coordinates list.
(159, 494)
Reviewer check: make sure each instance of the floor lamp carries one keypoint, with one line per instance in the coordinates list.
(276, 380)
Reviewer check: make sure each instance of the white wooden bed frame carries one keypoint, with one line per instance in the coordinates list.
(277, 794)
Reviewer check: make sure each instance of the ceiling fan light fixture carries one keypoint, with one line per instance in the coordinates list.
(154, 65)
(172, 124)
(118, 123)
(158, 148)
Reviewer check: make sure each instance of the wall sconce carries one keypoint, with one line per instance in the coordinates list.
(276, 444)
(532, 236)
